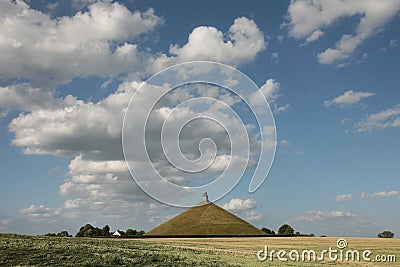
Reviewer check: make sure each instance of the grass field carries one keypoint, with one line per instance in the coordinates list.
(55, 251)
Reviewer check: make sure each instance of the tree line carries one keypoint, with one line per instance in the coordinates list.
(287, 230)
(89, 230)
(284, 230)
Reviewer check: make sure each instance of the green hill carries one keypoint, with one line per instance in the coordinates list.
(208, 220)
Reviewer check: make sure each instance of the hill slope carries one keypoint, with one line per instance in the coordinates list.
(206, 219)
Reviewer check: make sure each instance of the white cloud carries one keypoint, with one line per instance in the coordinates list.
(253, 216)
(314, 36)
(96, 42)
(40, 212)
(345, 197)
(348, 98)
(101, 41)
(382, 120)
(274, 57)
(237, 204)
(317, 215)
(278, 109)
(380, 194)
(307, 17)
(80, 4)
(160, 219)
(94, 128)
(25, 97)
(241, 43)
(91, 134)
(79, 165)
(270, 90)
(394, 42)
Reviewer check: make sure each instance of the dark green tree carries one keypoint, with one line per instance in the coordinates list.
(84, 229)
(130, 232)
(63, 234)
(267, 231)
(50, 234)
(89, 231)
(286, 230)
(105, 231)
(386, 234)
(121, 232)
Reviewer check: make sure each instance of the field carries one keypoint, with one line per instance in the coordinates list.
(56, 251)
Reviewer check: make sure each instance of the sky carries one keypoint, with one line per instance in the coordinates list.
(68, 70)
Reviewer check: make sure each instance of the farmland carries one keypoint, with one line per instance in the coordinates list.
(56, 251)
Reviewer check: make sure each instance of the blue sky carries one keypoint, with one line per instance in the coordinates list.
(328, 71)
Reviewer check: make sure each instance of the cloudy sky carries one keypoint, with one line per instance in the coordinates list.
(68, 70)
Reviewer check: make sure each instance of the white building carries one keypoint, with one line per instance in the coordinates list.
(116, 233)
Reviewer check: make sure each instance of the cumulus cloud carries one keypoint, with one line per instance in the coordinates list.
(94, 128)
(40, 212)
(307, 18)
(90, 133)
(237, 204)
(270, 90)
(25, 97)
(385, 119)
(380, 194)
(96, 42)
(348, 98)
(345, 197)
(314, 36)
(317, 215)
(98, 180)
(241, 43)
(102, 41)
(253, 216)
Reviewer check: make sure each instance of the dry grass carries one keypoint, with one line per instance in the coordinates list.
(56, 251)
(248, 247)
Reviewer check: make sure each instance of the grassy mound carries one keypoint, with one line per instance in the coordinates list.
(206, 220)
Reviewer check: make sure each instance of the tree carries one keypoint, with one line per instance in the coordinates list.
(63, 234)
(267, 231)
(130, 232)
(386, 234)
(89, 231)
(105, 231)
(286, 230)
(50, 234)
(121, 232)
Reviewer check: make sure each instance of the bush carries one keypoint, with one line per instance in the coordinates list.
(267, 231)
(60, 234)
(386, 234)
(286, 230)
(130, 232)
